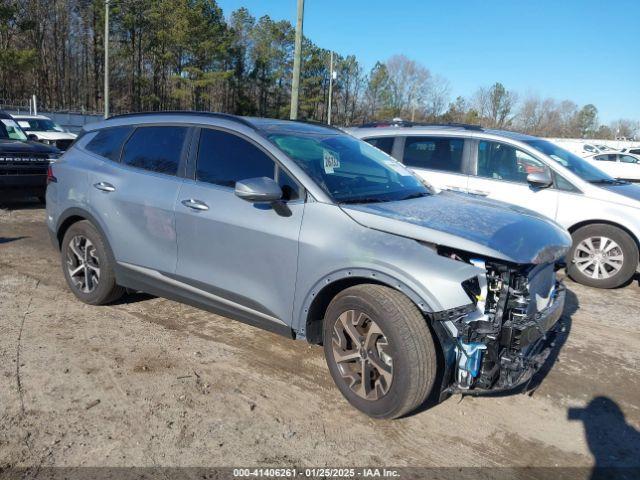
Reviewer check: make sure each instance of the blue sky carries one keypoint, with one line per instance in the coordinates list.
(587, 51)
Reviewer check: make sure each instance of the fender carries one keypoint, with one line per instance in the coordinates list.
(80, 212)
(358, 275)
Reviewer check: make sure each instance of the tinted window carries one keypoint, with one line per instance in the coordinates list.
(605, 158)
(628, 159)
(383, 143)
(223, 159)
(504, 162)
(434, 153)
(156, 149)
(108, 142)
(563, 184)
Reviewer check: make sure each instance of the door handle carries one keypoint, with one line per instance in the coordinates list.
(195, 204)
(105, 187)
(480, 193)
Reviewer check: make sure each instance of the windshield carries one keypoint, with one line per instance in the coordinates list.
(10, 130)
(40, 125)
(578, 166)
(349, 170)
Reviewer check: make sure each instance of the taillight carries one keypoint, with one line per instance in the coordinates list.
(51, 178)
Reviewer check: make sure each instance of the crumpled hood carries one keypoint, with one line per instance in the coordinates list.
(477, 225)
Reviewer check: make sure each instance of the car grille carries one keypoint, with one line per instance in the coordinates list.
(23, 164)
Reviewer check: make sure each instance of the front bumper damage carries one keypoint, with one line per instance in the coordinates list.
(500, 340)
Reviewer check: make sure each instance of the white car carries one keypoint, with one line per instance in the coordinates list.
(601, 213)
(43, 129)
(619, 165)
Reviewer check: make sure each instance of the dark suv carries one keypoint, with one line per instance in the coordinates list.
(23, 164)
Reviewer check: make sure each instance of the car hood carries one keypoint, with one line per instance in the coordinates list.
(460, 221)
(53, 135)
(16, 146)
(629, 190)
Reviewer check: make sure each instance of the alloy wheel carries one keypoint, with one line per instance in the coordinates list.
(598, 257)
(362, 354)
(83, 264)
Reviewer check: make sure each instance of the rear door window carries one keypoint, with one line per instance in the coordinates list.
(434, 153)
(383, 143)
(156, 149)
(108, 142)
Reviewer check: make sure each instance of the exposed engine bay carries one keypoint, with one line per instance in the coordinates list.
(504, 336)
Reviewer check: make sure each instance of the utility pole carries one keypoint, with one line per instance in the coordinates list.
(295, 83)
(106, 59)
(331, 78)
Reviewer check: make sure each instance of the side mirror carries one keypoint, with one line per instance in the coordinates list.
(540, 179)
(32, 137)
(258, 190)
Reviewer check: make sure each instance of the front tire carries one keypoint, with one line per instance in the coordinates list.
(379, 350)
(602, 256)
(87, 265)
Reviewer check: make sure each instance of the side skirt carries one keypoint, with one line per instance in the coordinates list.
(154, 283)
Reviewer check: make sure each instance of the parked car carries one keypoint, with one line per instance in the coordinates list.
(43, 129)
(631, 150)
(306, 231)
(23, 164)
(602, 213)
(623, 166)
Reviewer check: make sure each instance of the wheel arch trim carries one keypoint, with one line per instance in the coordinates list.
(342, 279)
(610, 223)
(63, 225)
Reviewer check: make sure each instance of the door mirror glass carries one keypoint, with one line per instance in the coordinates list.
(540, 179)
(258, 190)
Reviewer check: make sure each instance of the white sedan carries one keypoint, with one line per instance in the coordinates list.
(623, 166)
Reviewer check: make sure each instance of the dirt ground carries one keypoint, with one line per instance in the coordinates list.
(150, 382)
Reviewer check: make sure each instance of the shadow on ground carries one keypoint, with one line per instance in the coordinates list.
(614, 444)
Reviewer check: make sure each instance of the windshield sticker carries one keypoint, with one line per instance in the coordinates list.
(331, 161)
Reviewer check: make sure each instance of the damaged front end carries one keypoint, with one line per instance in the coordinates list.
(506, 333)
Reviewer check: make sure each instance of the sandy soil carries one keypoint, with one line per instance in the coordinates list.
(150, 382)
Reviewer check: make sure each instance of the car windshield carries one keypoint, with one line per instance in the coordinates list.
(578, 166)
(40, 125)
(9, 129)
(349, 170)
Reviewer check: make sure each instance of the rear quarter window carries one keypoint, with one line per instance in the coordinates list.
(108, 142)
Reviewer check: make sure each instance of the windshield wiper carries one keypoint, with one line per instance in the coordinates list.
(363, 200)
(414, 195)
(609, 181)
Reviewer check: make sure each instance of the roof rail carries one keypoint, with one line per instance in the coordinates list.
(406, 123)
(224, 116)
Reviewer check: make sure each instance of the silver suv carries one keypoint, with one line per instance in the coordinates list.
(308, 232)
(601, 213)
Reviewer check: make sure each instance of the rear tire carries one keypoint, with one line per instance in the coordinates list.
(376, 330)
(88, 266)
(602, 256)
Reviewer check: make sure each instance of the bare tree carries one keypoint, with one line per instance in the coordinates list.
(409, 85)
(496, 104)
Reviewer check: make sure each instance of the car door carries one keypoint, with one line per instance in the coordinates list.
(135, 193)
(440, 160)
(499, 171)
(242, 254)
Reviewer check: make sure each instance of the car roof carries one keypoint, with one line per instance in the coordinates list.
(439, 129)
(261, 125)
(4, 115)
(33, 117)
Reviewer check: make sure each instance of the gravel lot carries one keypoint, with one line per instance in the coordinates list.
(149, 382)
